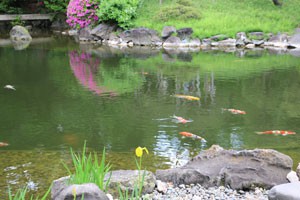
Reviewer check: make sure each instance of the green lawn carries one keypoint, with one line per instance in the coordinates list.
(220, 16)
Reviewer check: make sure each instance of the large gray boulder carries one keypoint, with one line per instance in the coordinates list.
(85, 34)
(294, 41)
(298, 170)
(20, 37)
(128, 179)
(19, 33)
(168, 31)
(141, 37)
(245, 169)
(172, 41)
(288, 191)
(87, 191)
(279, 40)
(103, 30)
(184, 33)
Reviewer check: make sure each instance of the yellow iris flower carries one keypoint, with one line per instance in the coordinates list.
(139, 151)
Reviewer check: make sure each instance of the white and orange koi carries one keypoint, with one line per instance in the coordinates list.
(191, 135)
(277, 132)
(235, 111)
(181, 120)
(3, 144)
(187, 97)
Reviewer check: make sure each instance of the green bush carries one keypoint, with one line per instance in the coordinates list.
(178, 12)
(57, 5)
(120, 11)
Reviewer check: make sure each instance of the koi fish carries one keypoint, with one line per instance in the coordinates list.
(10, 87)
(278, 132)
(178, 119)
(191, 135)
(234, 111)
(191, 98)
(3, 144)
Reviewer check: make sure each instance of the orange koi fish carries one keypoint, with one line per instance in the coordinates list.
(191, 98)
(191, 135)
(3, 144)
(278, 132)
(178, 119)
(234, 111)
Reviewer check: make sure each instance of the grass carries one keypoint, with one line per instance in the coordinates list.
(21, 195)
(224, 16)
(88, 169)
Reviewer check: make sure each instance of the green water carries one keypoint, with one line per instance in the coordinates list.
(66, 94)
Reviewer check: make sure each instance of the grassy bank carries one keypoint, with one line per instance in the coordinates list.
(212, 17)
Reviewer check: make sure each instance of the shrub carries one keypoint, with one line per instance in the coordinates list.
(56, 5)
(178, 12)
(81, 13)
(120, 11)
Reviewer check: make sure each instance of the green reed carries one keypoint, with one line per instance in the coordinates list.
(88, 169)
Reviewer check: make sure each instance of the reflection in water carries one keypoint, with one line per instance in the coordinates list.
(85, 68)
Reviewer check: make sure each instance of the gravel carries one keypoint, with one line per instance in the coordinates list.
(197, 192)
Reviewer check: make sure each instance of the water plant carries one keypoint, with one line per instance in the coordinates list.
(81, 13)
(138, 186)
(21, 195)
(88, 169)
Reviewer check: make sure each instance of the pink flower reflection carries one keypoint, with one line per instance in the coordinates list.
(85, 67)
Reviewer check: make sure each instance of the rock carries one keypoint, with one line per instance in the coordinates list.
(279, 40)
(292, 177)
(250, 46)
(194, 43)
(161, 186)
(184, 33)
(244, 169)
(103, 30)
(288, 191)
(128, 179)
(59, 22)
(219, 37)
(256, 35)
(206, 43)
(258, 42)
(20, 37)
(298, 168)
(141, 37)
(167, 31)
(227, 43)
(85, 34)
(87, 191)
(172, 41)
(294, 41)
(59, 185)
(241, 36)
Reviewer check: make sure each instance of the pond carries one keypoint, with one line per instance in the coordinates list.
(68, 93)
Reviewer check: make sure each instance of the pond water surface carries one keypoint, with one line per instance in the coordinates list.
(68, 93)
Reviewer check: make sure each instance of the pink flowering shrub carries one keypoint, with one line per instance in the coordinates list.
(81, 13)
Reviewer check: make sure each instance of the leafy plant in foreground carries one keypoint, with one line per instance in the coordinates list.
(88, 169)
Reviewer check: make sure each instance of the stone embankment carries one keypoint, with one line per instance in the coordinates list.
(215, 173)
(171, 38)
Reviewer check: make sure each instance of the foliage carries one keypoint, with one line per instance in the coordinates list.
(56, 5)
(120, 11)
(81, 13)
(7, 7)
(88, 169)
(178, 12)
(17, 21)
(21, 195)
